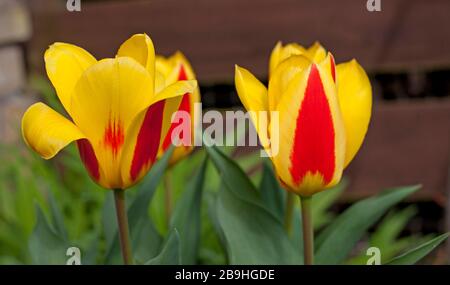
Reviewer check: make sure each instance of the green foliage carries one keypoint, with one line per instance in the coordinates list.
(47, 245)
(220, 216)
(242, 228)
(27, 180)
(228, 208)
(416, 254)
(171, 252)
(146, 241)
(253, 235)
(273, 196)
(387, 236)
(336, 241)
(187, 218)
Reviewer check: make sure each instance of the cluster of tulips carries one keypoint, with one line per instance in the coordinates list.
(121, 116)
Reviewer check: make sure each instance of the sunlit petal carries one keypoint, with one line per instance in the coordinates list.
(65, 63)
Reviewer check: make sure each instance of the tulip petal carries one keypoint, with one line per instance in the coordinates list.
(311, 133)
(189, 75)
(46, 131)
(146, 134)
(142, 144)
(107, 97)
(65, 63)
(316, 52)
(185, 103)
(283, 75)
(140, 48)
(170, 67)
(253, 95)
(355, 100)
(329, 64)
(89, 159)
(280, 53)
(173, 71)
(176, 89)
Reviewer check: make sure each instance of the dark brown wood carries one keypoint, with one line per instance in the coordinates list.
(217, 34)
(408, 142)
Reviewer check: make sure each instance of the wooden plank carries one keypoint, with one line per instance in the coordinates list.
(217, 34)
(12, 74)
(408, 143)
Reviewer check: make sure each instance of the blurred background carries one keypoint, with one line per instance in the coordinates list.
(405, 48)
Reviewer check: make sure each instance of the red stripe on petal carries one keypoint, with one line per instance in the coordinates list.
(185, 105)
(114, 136)
(89, 159)
(313, 148)
(148, 139)
(182, 75)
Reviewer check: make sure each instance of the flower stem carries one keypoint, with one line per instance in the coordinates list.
(168, 198)
(290, 199)
(308, 231)
(122, 221)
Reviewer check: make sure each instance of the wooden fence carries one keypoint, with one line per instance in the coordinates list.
(408, 141)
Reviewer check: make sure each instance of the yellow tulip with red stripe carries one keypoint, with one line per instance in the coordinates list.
(173, 69)
(323, 115)
(116, 109)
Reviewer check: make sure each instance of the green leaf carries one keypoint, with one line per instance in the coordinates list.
(416, 254)
(45, 246)
(89, 254)
(145, 238)
(322, 201)
(386, 236)
(338, 239)
(272, 194)
(170, 254)
(57, 217)
(146, 241)
(253, 234)
(212, 246)
(297, 228)
(144, 195)
(391, 227)
(213, 202)
(186, 217)
(109, 221)
(234, 178)
(175, 179)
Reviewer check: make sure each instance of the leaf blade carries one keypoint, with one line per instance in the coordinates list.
(252, 233)
(186, 217)
(336, 241)
(416, 254)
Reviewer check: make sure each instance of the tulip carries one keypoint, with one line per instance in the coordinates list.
(173, 69)
(324, 112)
(116, 107)
(176, 68)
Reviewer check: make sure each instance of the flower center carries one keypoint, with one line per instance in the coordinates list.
(114, 136)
